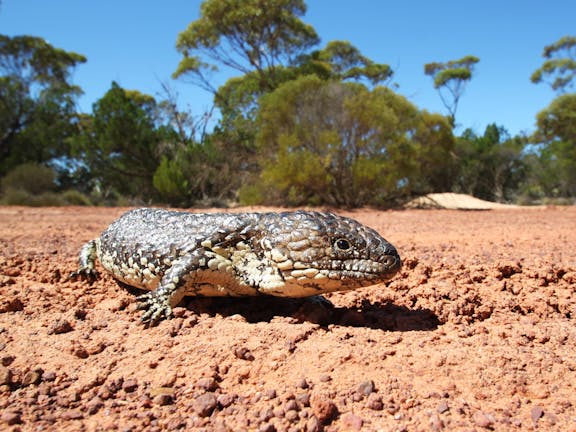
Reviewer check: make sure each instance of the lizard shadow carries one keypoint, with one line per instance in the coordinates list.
(318, 310)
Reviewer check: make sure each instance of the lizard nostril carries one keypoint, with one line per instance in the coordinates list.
(393, 262)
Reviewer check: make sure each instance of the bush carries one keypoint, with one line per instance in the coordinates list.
(74, 197)
(31, 178)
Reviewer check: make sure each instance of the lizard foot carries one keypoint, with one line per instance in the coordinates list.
(85, 274)
(155, 306)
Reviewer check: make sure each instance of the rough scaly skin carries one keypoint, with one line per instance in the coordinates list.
(289, 254)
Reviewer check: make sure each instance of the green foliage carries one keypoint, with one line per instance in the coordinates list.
(36, 100)
(244, 35)
(554, 170)
(31, 178)
(491, 166)
(559, 70)
(120, 142)
(452, 77)
(340, 60)
(35, 185)
(434, 164)
(333, 143)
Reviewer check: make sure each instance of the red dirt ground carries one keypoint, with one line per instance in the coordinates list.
(476, 333)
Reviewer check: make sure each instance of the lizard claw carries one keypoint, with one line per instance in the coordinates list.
(85, 274)
(155, 308)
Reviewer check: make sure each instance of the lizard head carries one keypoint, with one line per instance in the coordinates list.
(322, 252)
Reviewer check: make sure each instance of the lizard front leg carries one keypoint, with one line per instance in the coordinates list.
(86, 263)
(158, 304)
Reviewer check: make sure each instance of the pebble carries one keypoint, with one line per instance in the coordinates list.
(226, 399)
(313, 424)
(535, 413)
(94, 405)
(291, 405)
(11, 417)
(244, 353)
(325, 378)
(442, 407)
(366, 387)
(163, 399)
(323, 407)
(303, 399)
(5, 376)
(303, 384)
(291, 415)
(207, 383)
(352, 422)
(375, 402)
(60, 326)
(267, 427)
(483, 420)
(32, 377)
(205, 404)
(130, 385)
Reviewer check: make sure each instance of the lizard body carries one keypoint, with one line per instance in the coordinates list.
(288, 254)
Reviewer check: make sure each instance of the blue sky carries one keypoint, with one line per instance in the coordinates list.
(133, 42)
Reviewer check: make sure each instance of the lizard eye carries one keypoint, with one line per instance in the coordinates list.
(342, 244)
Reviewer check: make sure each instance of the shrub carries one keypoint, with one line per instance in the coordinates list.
(32, 178)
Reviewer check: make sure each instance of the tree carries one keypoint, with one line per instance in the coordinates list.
(434, 160)
(451, 76)
(120, 142)
(327, 142)
(37, 100)
(556, 134)
(245, 36)
(559, 70)
(491, 166)
(342, 61)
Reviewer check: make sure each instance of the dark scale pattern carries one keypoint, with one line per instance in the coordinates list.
(290, 254)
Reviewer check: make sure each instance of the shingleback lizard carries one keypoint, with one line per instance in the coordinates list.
(289, 254)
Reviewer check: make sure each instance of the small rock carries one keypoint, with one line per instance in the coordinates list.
(11, 417)
(72, 415)
(266, 414)
(163, 399)
(436, 423)
(94, 405)
(291, 405)
(352, 422)
(207, 383)
(7, 360)
(375, 402)
(267, 427)
(32, 377)
(205, 404)
(130, 385)
(291, 415)
(313, 424)
(536, 413)
(49, 376)
(366, 387)
(60, 326)
(243, 353)
(303, 384)
(225, 400)
(80, 352)
(303, 399)
(270, 394)
(442, 407)
(508, 269)
(483, 420)
(325, 378)
(5, 376)
(324, 409)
